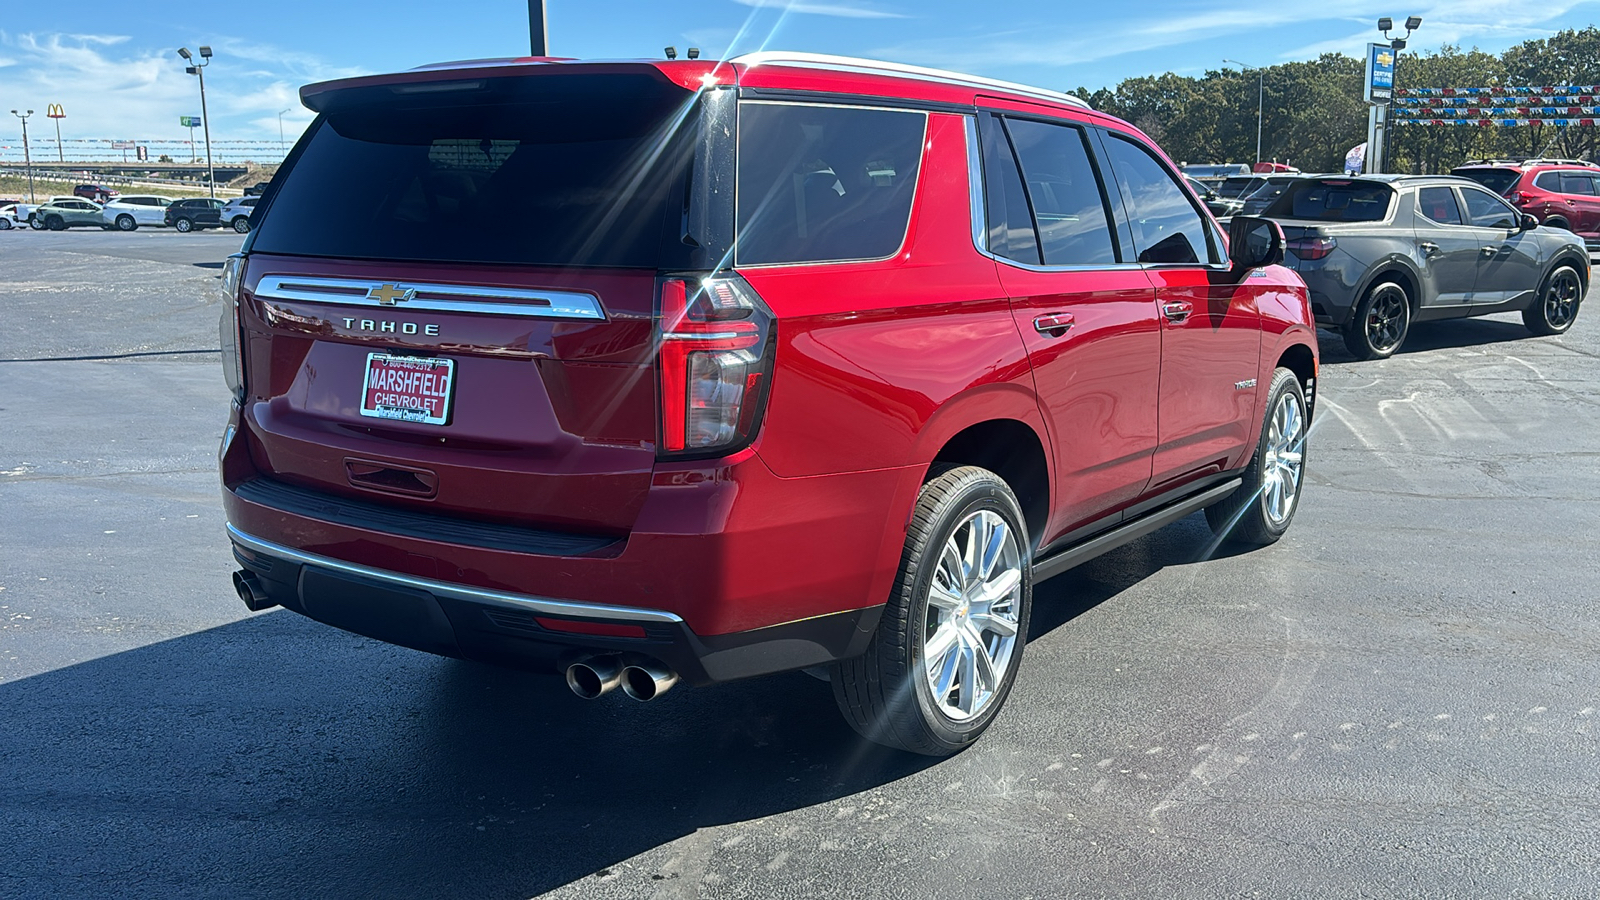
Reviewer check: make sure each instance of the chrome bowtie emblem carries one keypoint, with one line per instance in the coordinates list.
(390, 294)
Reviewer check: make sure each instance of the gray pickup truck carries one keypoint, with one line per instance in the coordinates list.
(1380, 252)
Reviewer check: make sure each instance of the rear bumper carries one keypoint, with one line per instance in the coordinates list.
(525, 631)
(728, 570)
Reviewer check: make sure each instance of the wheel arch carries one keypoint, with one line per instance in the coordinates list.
(1568, 257)
(1393, 269)
(1299, 359)
(1013, 450)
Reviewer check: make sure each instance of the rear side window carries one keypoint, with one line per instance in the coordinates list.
(1548, 181)
(1332, 201)
(1438, 204)
(824, 183)
(1166, 226)
(1011, 233)
(1497, 180)
(546, 170)
(1064, 193)
(1577, 184)
(1239, 187)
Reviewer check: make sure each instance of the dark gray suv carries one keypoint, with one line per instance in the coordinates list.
(1380, 252)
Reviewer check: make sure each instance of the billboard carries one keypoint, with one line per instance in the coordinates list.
(189, 121)
(1379, 84)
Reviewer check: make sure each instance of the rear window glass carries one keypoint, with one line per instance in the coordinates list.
(824, 183)
(1332, 201)
(1497, 180)
(1240, 187)
(549, 170)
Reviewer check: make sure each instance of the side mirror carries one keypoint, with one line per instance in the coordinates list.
(1254, 242)
(1527, 222)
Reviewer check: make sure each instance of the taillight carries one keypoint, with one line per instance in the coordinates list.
(1311, 247)
(1517, 197)
(716, 364)
(228, 327)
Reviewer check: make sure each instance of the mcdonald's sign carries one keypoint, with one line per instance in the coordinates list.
(55, 111)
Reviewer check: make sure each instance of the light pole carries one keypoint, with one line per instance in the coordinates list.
(1261, 96)
(1378, 124)
(27, 157)
(199, 68)
(282, 147)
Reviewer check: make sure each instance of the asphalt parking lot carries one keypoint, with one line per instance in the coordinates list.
(1401, 698)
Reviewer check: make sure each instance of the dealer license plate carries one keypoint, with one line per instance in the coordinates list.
(408, 388)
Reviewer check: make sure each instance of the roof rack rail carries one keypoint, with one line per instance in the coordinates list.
(879, 67)
(1551, 161)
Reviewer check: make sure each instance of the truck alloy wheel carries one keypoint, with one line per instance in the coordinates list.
(951, 638)
(1557, 306)
(1380, 323)
(1260, 511)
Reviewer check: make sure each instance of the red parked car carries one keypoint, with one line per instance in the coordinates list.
(803, 363)
(99, 193)
(1559, 193)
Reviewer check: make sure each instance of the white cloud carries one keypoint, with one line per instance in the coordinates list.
(842, 10)
(1497, 23)
(114, 89)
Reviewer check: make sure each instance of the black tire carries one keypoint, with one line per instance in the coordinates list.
(1252, 515)
(886, 694)
(54, 223)
(1555, 307)
(1557, 222)
(126, 222)
(241, 224)
(1381, 321)
(184, 225)
(5, 223)
(36, 223)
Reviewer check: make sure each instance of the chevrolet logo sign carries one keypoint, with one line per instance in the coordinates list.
(390, 294)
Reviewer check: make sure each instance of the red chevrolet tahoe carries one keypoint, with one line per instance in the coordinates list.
(692, 370)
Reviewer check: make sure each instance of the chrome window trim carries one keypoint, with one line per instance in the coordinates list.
(980, 217)
(457, 591)
(911, 214)
(509, 301)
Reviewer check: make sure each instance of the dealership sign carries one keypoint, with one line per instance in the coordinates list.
(1379, 84)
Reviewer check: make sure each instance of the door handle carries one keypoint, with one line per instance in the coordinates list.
(1489, 251)
(1429, 248)
(1053, 325)
(1177, 310)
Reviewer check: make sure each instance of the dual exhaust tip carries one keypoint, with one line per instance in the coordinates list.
(642, 680)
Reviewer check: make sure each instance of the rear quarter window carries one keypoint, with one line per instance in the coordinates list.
(823, 183)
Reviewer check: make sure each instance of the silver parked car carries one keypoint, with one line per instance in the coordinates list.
(1380, 252)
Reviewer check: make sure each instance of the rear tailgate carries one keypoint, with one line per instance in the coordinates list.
(547, 417)
(448, 299)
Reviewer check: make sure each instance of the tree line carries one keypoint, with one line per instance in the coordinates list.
(1312, 113)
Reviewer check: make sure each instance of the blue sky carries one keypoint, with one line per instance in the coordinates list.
(112, 63)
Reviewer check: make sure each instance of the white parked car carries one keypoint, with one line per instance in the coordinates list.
(236, 213)
(129, 212)
(8, 217)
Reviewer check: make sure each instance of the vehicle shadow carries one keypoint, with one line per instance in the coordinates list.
(1426, 336)
(275, 756)
(1079, 590)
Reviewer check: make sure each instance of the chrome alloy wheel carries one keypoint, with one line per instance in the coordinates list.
(1387, 318)
(1561, 297)
(1283, 463)
(970, 632)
